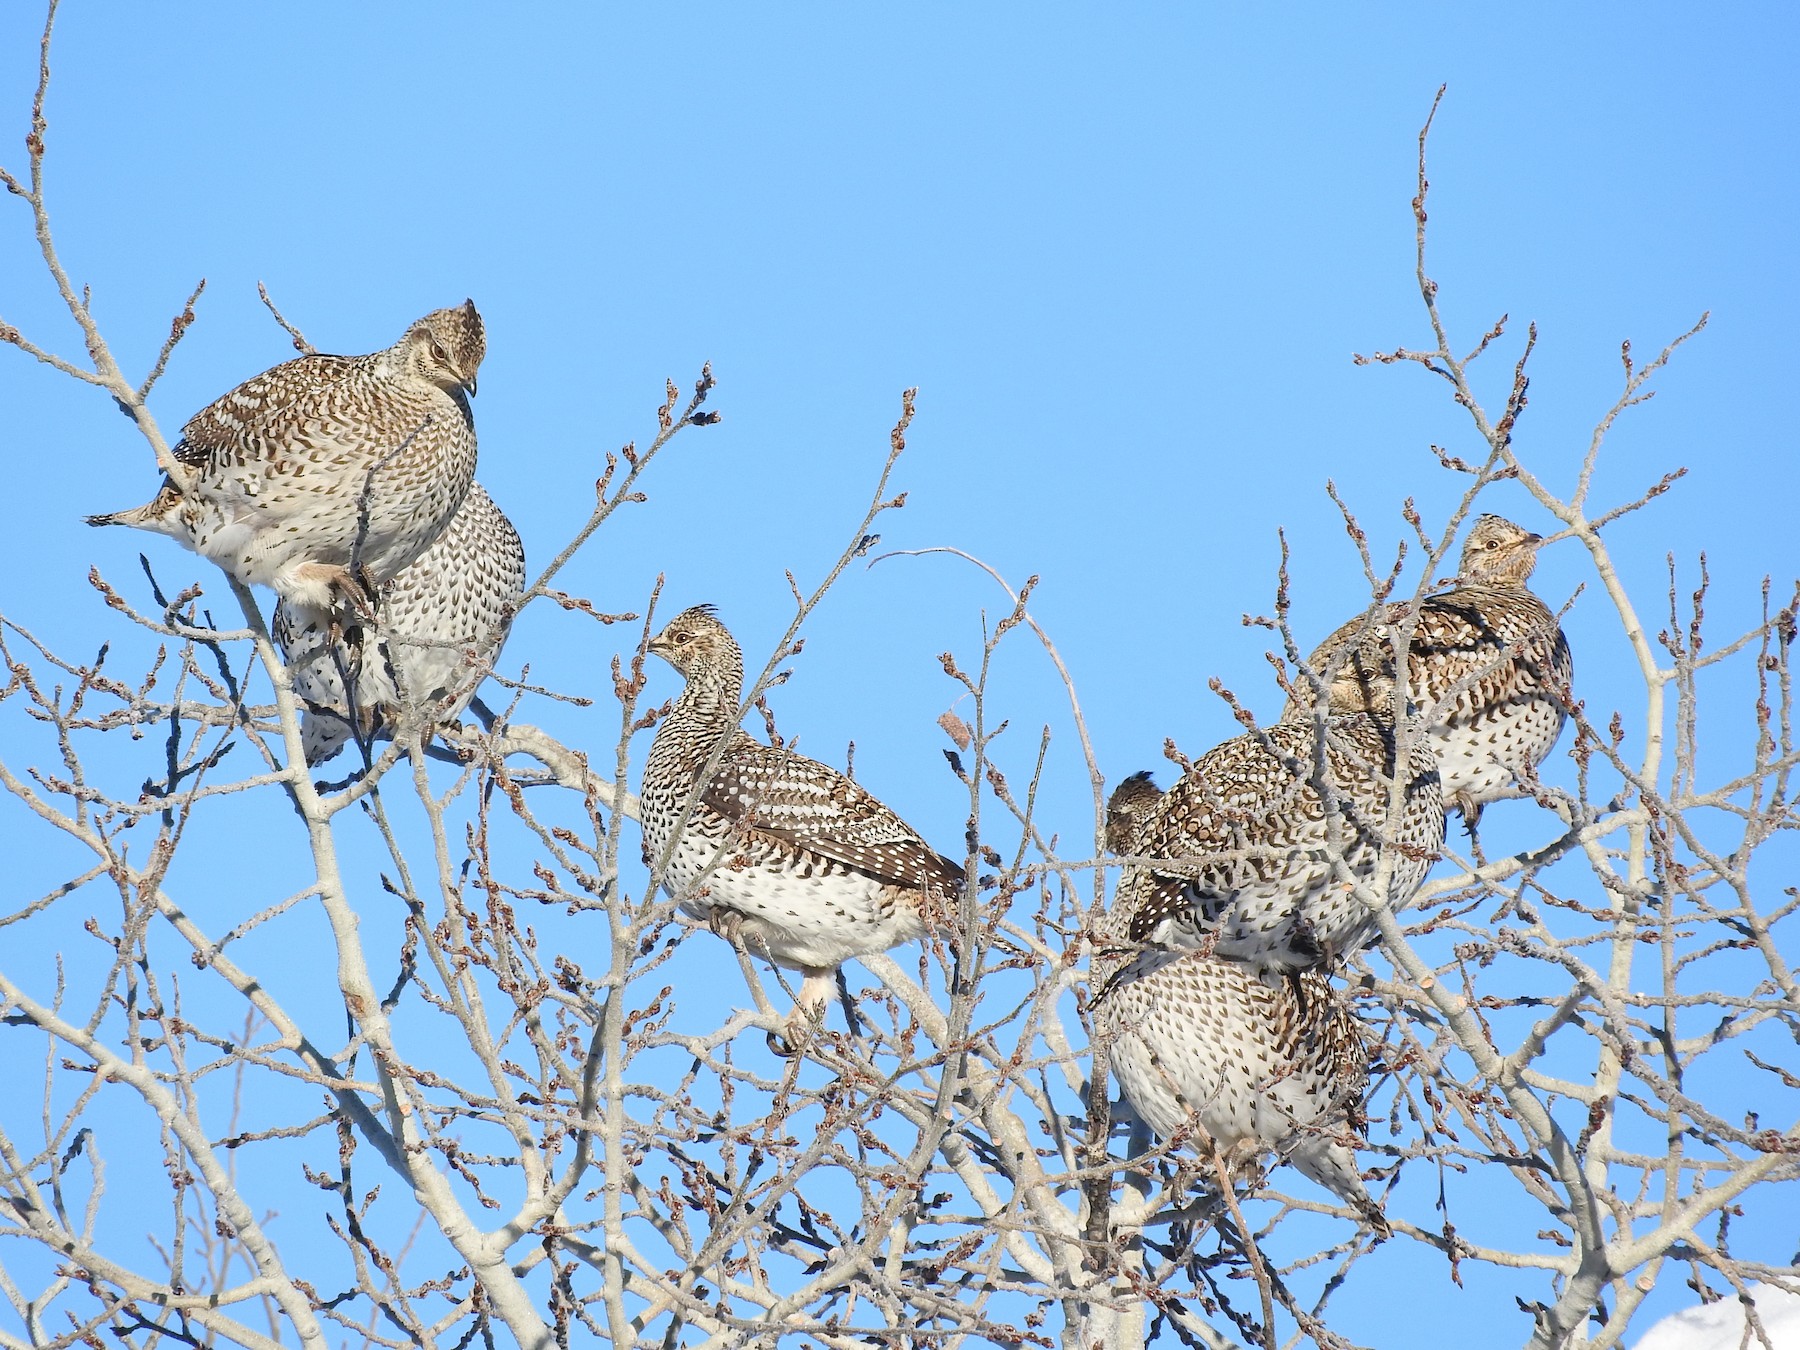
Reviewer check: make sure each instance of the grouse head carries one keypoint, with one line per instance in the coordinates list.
(446, 347)
(1499, 553)
(695, 640)
(1131, 801)
(1365, 681)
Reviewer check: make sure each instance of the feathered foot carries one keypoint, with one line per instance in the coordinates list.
(1468, 808)
(809, 1011)
(323, 586)
(728, 924)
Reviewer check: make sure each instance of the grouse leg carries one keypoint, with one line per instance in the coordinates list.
(809, 1010)
(1470, 811)
(318, 585)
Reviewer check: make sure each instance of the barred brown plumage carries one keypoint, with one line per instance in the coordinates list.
(1488, 667)
(444, 619)
(327, 464)
(1247, 845)
(1246, 1066)
(1198, 1041)
(783, 854)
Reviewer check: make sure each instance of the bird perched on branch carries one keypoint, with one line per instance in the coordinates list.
(1205, 1051)
(1233, 1065)
(1246, 840)
(1488, 667)
(439, 627)
(783, 855)
(327, 467)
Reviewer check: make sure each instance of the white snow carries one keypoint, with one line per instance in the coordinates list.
(1720, 1326)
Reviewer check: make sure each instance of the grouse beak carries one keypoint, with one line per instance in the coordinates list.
(1533, 539)
(469, 384)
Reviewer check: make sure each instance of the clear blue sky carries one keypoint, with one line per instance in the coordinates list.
(1125, 255)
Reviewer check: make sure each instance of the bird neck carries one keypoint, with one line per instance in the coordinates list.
(394, 363)
(712, 697)
(1411, 728)
(1499, 580)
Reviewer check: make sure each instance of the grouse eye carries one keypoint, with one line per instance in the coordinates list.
(1491, 545)
(681, 639)
(438, 353)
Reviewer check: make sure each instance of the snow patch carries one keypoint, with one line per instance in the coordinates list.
(1720, 1326)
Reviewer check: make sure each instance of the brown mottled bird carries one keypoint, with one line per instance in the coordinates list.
(1247, 841)
(441, 621)
(329, 464)
(786, 856)
(1200, 1045)
(1488, 668)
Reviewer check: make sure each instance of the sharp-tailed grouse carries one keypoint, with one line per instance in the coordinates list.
(1207, 1052)
(1248, 847)
(1488, 668)
(784, 855)
(329, 466)
(441, 623)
